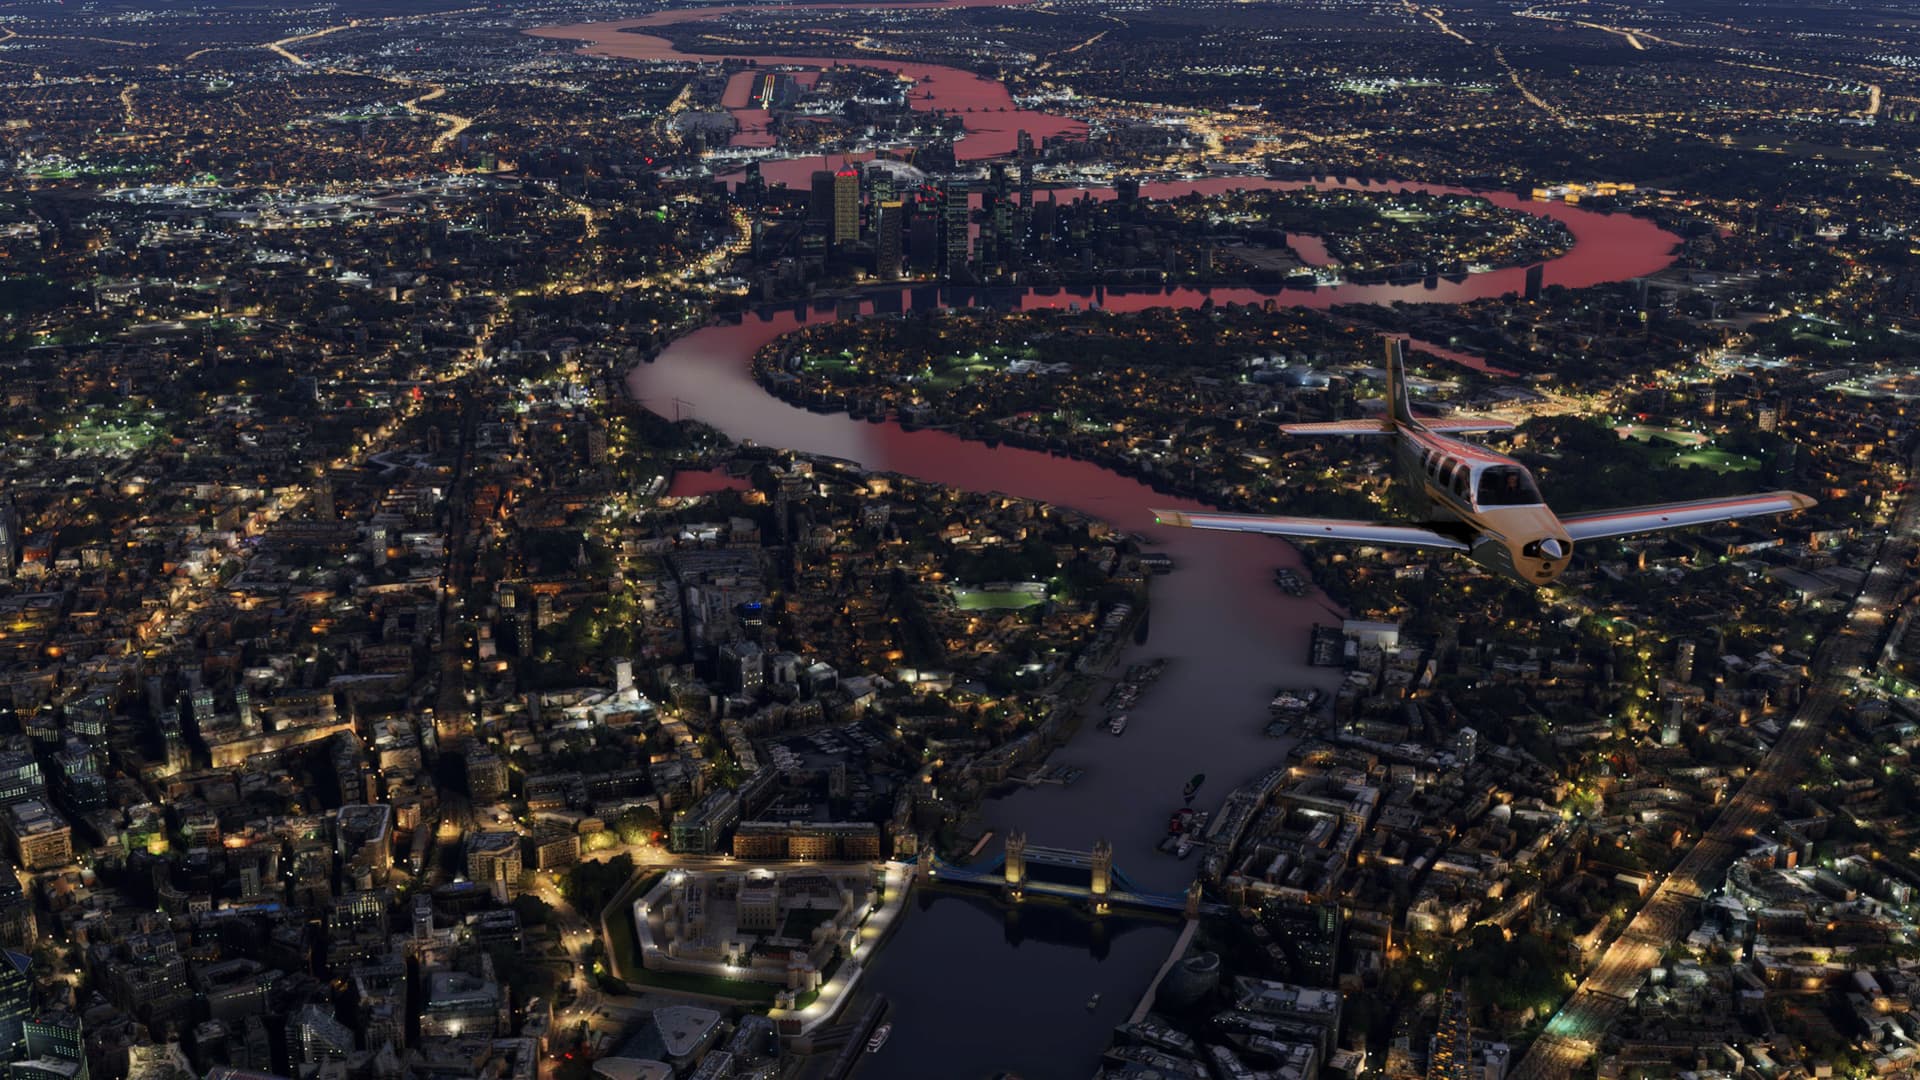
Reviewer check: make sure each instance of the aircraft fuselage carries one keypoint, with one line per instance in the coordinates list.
(1488, 499)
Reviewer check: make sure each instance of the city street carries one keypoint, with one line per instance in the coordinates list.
(1574, 1033)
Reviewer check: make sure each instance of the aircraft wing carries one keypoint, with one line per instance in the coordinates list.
(1679, 515)
(1359, 532)
(1464, 426)
(1386, 427)
(1341, 427)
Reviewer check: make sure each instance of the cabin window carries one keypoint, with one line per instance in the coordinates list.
(1507, 485)
(1460, 477)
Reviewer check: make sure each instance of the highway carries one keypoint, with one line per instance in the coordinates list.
(1538, 102)
(1574, 1033)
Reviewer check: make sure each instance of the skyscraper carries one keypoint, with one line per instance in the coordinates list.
(923, 243)
(753, 187)
(958, 220)
(880, 192)
(887, 239)
(1023, 140)
(9, 538)
(846, 206)
(820, 196)
(996, 244)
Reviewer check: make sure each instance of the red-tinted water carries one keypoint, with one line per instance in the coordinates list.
(963, 1008)
(1311, 249)
(985, 107)
(688, 484)
(1239, 636)
(1235, 637)
(1464, 359)
(1607, 247)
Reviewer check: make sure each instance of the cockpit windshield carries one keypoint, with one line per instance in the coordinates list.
(1507, 485)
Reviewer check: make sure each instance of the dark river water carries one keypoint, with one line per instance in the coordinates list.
(976, 989)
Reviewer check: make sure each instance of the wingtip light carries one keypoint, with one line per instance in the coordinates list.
(1171, 517)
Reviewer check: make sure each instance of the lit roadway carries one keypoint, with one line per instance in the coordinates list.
(1437, 17)
(1574, 1033)
(455, 124)
(1874, 91)
(280, 46)
(1628, 34)
(286, 53)
(1538, 102)
(1638, 39)
(575, 933)
(1635, 38)
(1046, 62)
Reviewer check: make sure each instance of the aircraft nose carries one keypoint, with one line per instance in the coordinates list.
(1552, 549)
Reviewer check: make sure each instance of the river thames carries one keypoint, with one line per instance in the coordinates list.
(976, 988)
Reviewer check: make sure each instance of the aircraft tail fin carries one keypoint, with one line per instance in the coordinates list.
(1402, 412)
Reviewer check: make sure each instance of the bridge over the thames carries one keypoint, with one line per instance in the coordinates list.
(1024, 869)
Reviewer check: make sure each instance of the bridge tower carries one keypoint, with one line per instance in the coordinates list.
(1193, 899)
(1016, 871)
(1102, 866)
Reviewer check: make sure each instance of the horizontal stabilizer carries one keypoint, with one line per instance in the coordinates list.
(1358, 532)
(1341, 427)
(1679, 515)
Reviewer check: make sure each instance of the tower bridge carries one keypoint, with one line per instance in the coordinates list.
(1085, 876)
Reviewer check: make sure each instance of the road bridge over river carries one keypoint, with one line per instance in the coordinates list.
(1046, 871)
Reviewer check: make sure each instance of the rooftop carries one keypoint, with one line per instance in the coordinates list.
(493, 842)
(684, 1027)
(33, 817)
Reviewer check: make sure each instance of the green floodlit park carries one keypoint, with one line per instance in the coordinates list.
(1692, 448)
(1010, 598)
